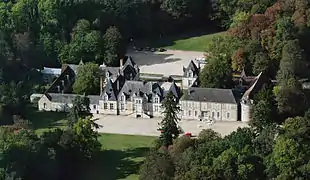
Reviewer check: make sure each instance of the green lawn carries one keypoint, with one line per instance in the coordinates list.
(42, 121)
(198, 43)
(186, 42)
(120, 157)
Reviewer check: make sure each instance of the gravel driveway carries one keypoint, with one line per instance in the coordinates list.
(148, 127)
(170, 62)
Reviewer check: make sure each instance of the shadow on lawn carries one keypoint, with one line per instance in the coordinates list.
(45, 119)
(115, 164)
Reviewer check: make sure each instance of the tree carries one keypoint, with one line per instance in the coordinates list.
(86, 44)
(157, 166)
(291, 100)
(87, 80)
(261, 64)
(86, 138)
(80, 109)
(170, 120)
(217, 73)
(264, 111)
(114, 46)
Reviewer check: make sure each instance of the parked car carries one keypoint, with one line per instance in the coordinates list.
(189, 134)
(153, 49)
(147, 48)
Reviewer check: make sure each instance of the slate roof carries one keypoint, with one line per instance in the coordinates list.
(67, 88)
(68, 98)
(110, 90)
(175, 90)
(134, 87)
(257, 84)
(191, 66)
(225, 96)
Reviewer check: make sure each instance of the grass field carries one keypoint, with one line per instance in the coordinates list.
(186, 42)
(120, 157)
(198, 43)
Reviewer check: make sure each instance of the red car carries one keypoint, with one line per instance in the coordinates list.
(188, 134)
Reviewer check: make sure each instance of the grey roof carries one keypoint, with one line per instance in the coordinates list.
(210, 95)
(132, 87)
(255, 87)
(112, 70)
(74, 67)
(68, 98)
(175, 90)
(110, 90)
(191, 66)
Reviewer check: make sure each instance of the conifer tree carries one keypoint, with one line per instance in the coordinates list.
(168, 125)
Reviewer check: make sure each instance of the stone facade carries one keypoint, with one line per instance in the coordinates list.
(209, 104)
(190, 76)
(122, 93)
(63, 103)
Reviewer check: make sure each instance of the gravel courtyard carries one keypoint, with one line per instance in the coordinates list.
(170, 62)
(148, 127)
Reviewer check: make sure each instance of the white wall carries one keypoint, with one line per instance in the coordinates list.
(216, 111)
(108, 110)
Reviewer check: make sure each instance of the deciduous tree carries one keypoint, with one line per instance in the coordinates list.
(87, 80)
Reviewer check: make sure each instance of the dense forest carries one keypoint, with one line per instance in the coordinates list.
(269, 36)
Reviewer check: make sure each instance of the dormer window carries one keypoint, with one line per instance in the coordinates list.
(122, 98)
(190, 74)
(156, 100)
(105, 97)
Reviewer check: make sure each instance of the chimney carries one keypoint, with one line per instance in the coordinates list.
(68, 77)
(63, 83)
(58, 89)
(121, 63)
(189, 92)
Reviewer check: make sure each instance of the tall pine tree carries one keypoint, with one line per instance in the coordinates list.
(168, 125)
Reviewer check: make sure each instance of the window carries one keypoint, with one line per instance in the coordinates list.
(94, 106)
(105, 105)
(213, 114)
(218, 114)
(44, 105)
(111, 106)
(155, 108)
(227, 115)
(190, 74)
(156, 100)
(138, 101)
(189, 82)
(122, 106)
(196, 113)
(189, 113)
(105, 98)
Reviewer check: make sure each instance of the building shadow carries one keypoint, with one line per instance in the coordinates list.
(143, 58)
